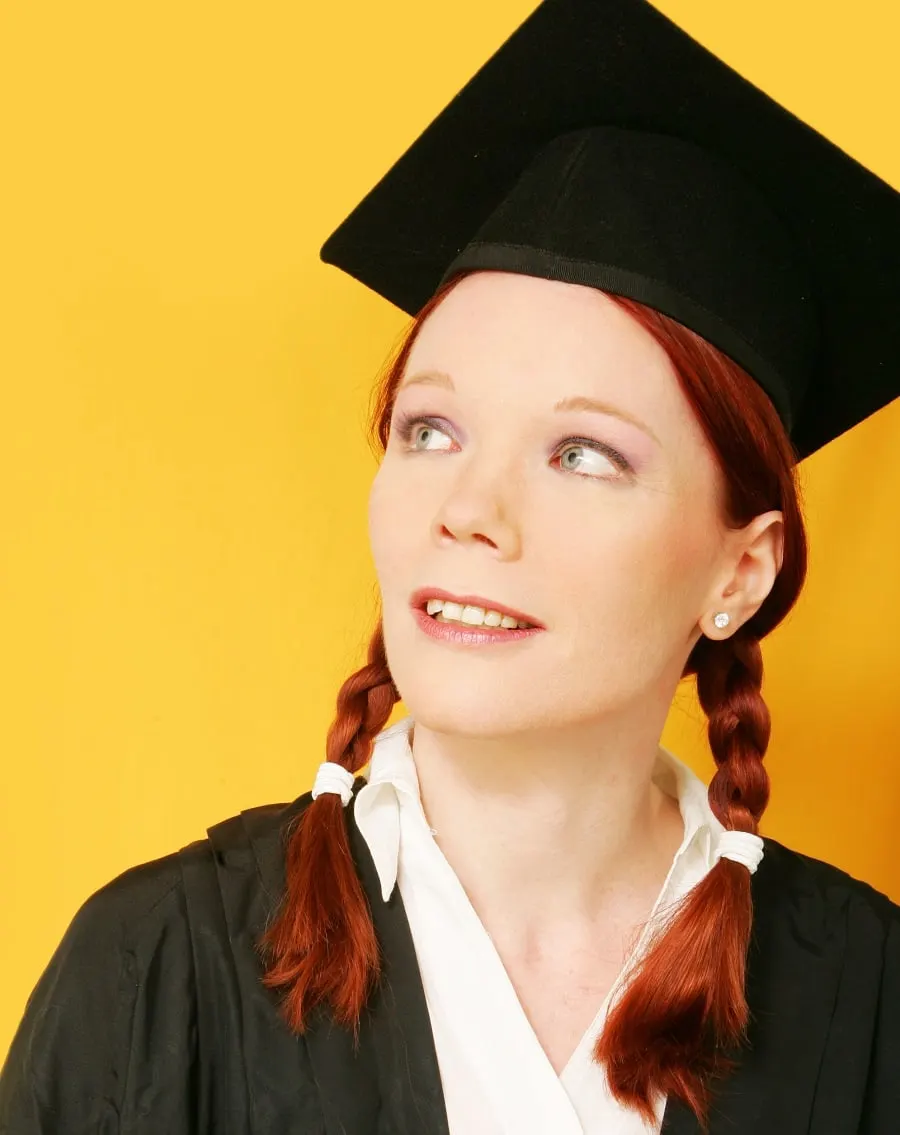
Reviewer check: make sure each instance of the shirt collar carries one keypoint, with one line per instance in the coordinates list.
(392, 776)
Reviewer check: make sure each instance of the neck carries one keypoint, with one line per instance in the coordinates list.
(553, 828)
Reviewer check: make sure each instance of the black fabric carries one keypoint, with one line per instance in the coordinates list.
(151, 1016)
(661, 220)
(604, 146)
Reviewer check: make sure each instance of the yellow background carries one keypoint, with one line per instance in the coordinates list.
(185, 577)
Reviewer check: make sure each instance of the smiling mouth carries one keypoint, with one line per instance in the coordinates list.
(439, 618)
(493, 619)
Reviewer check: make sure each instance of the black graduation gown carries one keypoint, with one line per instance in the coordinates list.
(151, 1018)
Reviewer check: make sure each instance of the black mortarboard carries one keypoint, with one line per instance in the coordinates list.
(602, 145)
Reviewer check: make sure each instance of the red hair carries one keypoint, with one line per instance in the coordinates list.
(684, 1003)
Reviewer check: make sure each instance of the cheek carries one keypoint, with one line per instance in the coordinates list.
(382, 532)
(390, 530)
(631, 567)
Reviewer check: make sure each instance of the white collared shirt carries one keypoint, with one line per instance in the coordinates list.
(496, 1077)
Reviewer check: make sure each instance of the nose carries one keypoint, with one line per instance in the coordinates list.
(479, 513)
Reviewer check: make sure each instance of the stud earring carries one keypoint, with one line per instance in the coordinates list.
(722, 619)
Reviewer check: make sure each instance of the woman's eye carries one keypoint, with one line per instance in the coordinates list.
(408, 429)
(610, 455)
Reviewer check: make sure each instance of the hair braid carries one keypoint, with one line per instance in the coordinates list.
(729, 684)
(323, 939)
(686, 1003)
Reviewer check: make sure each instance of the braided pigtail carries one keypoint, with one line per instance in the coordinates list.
(686, 1003)
(322, 944)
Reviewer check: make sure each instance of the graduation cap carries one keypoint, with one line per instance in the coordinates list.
(602, 145)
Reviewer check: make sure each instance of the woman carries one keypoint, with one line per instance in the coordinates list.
(531, 916)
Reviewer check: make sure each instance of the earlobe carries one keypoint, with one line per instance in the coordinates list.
(721, 626)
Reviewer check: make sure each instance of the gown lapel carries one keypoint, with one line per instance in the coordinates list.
(402, 1038)
(391, 1084)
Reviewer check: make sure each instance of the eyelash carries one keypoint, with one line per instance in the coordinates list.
(405, 423)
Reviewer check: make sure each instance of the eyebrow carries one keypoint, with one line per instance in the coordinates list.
(576, 402)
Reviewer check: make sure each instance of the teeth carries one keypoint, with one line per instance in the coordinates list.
(474, 616)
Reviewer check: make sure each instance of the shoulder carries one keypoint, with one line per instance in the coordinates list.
(130, 903)
(147, 908)
(825, 903)
(805, 871)
(825, 981)
(144, 904)
(147, 962)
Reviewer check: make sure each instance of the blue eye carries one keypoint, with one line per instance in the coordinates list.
(606, 451)
(406, 425)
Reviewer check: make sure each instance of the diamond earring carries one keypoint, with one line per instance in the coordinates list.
(722, 619)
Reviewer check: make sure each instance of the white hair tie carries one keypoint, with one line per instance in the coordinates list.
(333, 777)
(742, 847)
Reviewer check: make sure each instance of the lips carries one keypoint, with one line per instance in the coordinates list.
(420, 597)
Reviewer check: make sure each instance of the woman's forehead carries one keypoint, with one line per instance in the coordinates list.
(505, 334)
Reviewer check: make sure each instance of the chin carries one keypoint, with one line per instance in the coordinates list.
(466, 712)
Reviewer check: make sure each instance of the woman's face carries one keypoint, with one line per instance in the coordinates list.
(508, 498)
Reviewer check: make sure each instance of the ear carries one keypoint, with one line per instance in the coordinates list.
(752, 560)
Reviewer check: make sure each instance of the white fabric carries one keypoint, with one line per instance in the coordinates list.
(496, 1077)
(332, 777)
(742, 847)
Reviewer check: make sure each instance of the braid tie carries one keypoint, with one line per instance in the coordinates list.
(742, 847)
(333, 777)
